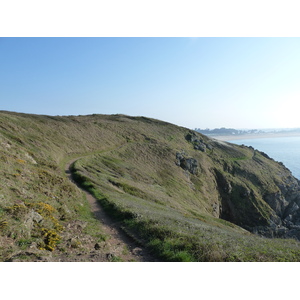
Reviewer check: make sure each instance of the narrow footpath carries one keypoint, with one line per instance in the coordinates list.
(120, 244)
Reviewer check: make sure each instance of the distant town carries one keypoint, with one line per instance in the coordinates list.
(238, 133)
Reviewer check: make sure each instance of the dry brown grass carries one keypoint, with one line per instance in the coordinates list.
(131, 164)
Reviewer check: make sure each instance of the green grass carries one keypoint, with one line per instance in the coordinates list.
(172, 236)
(129, 164)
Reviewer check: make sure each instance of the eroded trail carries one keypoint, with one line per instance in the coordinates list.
(120, 244)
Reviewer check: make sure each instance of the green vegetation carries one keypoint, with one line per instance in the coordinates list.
(129, 164)
(174, 236)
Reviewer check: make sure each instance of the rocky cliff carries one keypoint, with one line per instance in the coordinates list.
(255, 192)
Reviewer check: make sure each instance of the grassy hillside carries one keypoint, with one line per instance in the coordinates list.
(180, 194)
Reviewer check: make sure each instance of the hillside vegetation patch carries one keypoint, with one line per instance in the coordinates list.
(180, 194)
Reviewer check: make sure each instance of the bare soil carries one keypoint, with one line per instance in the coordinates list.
(118, 244)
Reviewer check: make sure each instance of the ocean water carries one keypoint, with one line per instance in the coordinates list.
(282, 149)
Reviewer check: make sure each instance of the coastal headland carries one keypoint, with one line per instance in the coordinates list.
(146, 190)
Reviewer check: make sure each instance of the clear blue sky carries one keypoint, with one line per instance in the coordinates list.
(192, 82)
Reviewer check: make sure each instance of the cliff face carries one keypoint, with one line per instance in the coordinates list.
(255, 192)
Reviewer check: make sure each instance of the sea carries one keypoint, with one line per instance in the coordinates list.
(281, 149)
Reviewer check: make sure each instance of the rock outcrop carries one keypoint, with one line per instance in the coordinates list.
(198, 142)
(246, 199)
(187, 163)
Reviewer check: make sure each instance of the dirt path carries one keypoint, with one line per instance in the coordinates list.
(120, 244)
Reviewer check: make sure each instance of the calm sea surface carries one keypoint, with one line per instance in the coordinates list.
(283, 149)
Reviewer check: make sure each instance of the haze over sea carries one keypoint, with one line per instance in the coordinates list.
(282, 149)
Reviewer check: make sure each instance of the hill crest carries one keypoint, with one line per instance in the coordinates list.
(159, 179)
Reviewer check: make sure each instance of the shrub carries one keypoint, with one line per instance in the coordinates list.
(3, 224)
(51, 239)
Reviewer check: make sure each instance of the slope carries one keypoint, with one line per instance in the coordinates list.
(182, 195)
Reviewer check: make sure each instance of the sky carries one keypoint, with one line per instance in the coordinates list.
(228, 74)
(206, 82)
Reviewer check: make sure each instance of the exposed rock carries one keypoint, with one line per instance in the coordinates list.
(277, 202)
(30, 158)
(200, 146)
(223, 184)
(295, 227)
(137, 251)
(74, 242)
(216, 209)
(31, 218)
(274, 231)
(293, 233)
(191, 137)
(209, 147)
(198, 142)
(281, 231)
(188, 164)
(97, 246)
(179, 157)
(110, 256)
(291, 210)
(33, 246)
(265, 155)
(288, 220)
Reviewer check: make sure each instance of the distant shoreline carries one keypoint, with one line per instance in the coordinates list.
(254, 136)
